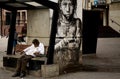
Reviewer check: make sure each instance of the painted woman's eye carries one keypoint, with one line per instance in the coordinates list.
(65, 4)
(70, 4)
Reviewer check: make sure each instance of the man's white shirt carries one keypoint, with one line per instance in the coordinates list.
(32, 49)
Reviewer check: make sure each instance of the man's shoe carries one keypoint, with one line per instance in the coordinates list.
(16, 74)
(22, 75)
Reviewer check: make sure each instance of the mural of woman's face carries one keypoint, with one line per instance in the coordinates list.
(66, 7)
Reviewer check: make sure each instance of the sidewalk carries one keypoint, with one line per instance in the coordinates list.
(3, 48)
(107, 58)
(104, 65)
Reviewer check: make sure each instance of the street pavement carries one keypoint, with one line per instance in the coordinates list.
(3, 44)
(105, 64)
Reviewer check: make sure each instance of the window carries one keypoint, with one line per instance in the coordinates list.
(18, 18)
(23, 17)
(8, 18)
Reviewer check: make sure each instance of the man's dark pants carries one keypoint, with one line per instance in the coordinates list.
(22, 63)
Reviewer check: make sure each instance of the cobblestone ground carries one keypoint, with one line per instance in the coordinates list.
(3, 44)
(78, 75)
(5, 74)
(106, 62)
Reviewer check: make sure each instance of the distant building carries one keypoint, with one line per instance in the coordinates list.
(5, 19)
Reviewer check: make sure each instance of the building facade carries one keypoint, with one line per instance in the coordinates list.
(21, 22)
(110, 11)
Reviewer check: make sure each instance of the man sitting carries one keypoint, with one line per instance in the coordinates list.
(34, 50)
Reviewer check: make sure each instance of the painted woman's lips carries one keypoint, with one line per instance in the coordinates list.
(67, 15)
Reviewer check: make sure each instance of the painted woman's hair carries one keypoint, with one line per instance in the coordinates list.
(74, 3)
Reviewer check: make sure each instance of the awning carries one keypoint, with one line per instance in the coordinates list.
(15, 5)
(20, 4)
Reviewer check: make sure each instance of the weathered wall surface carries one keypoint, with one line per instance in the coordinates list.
(114, 16)
(38, 25)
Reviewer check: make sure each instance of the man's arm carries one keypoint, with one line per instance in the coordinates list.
(37, 54)
(42, 48)
(39, 50)
(26, 49)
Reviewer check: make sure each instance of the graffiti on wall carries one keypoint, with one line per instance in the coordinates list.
(68, 36)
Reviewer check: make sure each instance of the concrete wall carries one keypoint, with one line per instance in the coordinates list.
(38, 25)
(79, 9)
(114, 14)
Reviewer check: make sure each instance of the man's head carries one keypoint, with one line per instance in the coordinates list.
(35, 42)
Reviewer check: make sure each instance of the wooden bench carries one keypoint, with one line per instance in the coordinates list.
(35, 63)
(21, 47)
